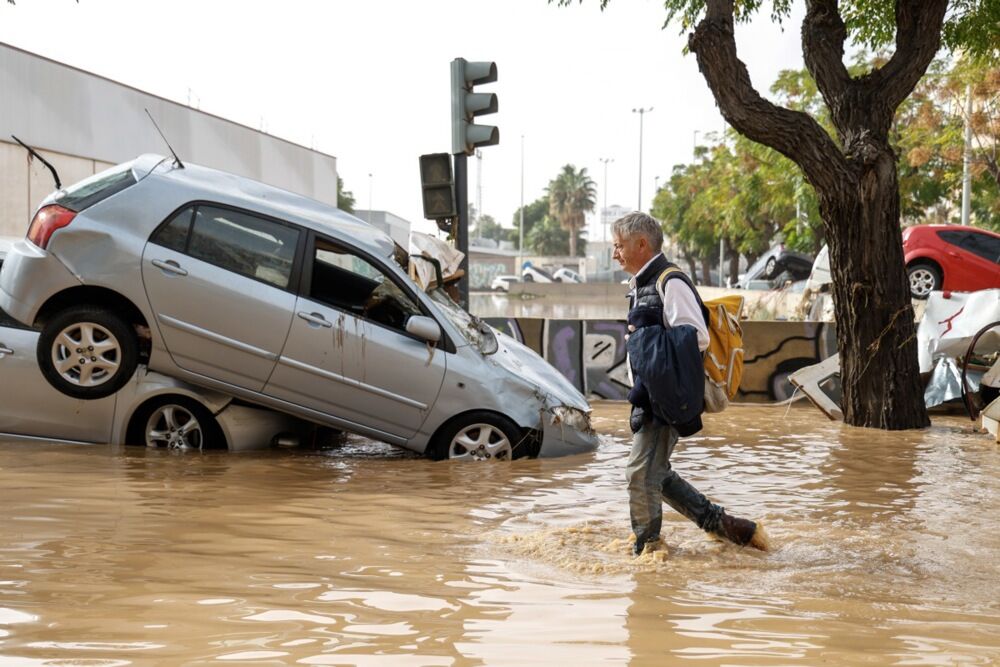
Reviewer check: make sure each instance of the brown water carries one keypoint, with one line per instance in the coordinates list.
(885, 553)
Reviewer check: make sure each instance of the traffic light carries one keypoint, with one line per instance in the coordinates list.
(438, 187)
(466, 104)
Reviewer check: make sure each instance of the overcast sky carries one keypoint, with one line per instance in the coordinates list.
(368, 81)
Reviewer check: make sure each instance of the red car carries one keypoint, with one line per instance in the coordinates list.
(950, 257)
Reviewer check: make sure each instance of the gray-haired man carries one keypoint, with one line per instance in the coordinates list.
(638, 240)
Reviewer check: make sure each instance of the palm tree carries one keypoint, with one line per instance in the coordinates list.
(571, 196)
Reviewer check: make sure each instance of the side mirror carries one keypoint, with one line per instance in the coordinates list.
(424, 327)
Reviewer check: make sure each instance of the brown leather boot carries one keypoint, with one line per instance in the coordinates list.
(742, 532)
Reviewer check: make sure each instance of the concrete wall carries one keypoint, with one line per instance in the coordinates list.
(87, 122)
(591, 353)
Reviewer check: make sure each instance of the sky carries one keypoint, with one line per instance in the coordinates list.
(368, 82)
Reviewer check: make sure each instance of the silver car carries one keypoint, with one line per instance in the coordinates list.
(276, 299)
(151, 409)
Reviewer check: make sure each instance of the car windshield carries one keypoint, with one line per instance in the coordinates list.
(473, 329)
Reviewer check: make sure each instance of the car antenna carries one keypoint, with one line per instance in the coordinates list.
(177, 160)
(33, 153)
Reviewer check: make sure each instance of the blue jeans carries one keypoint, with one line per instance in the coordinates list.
(652, 481)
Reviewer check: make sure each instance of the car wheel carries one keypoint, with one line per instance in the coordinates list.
(176, 422)
(479, 436)
(557, 279)
(87, 352)
(770, 267)
(529, 278)
(924, 279)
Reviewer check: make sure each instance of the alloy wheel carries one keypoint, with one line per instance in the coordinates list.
(174, 427)
(922, 282)
(481, 442)
(86, 354)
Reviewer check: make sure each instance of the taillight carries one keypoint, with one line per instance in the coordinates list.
(47, 221)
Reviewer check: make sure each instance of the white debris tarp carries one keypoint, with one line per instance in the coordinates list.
(951, 320)
(425, 245)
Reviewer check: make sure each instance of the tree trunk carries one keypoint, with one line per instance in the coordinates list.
(692, 267)
(876, 331)
(734, 268)
(572, 241)
(856, 183)
(706, 270)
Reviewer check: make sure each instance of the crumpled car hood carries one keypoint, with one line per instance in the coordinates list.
(525, 363)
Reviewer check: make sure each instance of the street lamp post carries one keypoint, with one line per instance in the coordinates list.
(520, 239)
(604, 211)
(642, 112)
(369, 199)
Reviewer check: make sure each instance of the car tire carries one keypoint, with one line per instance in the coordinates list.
(770, 267)
(87, 352)
(479, 436)
(557, 279)
(176, 423)
(924, 278)
(528, 278)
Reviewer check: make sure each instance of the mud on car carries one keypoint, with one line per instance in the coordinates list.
(276, 299)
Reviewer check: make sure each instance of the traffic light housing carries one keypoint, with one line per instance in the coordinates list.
(438, 185)
(467, 104)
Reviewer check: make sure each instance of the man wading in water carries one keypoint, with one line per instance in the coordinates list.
(638, 241)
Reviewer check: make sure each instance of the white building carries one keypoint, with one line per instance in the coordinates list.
(83, 123)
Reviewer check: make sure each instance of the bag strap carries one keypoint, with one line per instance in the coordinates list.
(676, 272)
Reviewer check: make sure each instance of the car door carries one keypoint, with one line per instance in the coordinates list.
(348, 353)
(29, 406)
(985, 259)
(220, 282)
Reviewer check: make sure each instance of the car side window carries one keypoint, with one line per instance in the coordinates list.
(985, 246)
(242, 243)
(174, 234)
(343, 279)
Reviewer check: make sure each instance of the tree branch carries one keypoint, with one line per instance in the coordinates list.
(794, 134)
(918, 36)
(823, 37)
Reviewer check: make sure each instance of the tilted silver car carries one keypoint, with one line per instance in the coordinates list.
(277, 299)
(151, 409)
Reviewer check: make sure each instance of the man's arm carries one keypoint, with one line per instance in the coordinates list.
(680, 306)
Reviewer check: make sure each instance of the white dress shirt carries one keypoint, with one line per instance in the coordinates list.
(680, 306)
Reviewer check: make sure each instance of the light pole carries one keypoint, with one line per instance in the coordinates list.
(520, 239)
(967, 158)
(604, 211)
(369, 199)
(642, 112)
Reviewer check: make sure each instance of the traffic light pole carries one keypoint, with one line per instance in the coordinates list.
(462, 228)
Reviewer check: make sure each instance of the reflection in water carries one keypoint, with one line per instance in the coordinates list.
(884, 553)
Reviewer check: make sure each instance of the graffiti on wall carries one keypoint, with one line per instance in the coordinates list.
(483, 273)
(591, 353)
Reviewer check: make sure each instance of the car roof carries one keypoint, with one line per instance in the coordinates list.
(926, 229)
(226, 188)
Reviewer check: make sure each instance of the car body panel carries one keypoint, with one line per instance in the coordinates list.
(333, 369)
(961, 269)
(234, 330)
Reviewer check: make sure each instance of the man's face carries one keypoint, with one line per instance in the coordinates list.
(632, 252)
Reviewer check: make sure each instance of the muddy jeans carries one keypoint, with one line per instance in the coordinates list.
(651, 480)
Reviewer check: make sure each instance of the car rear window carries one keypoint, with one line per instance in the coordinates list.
(98, 187)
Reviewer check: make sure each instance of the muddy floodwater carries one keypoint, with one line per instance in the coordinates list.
(885, 552)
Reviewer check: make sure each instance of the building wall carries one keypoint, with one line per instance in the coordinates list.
(83, 123)
(591, 353)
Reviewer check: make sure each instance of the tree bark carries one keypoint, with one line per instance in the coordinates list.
(857, 187)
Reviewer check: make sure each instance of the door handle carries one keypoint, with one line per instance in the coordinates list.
(315, 319)
(4, 350)
(170, 266)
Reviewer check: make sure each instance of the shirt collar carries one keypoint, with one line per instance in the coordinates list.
(631, 281)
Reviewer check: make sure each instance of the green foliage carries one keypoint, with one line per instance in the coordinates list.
(533, 214)
(549, 237)
(572, 194)
(345, 198)
(970, 25)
